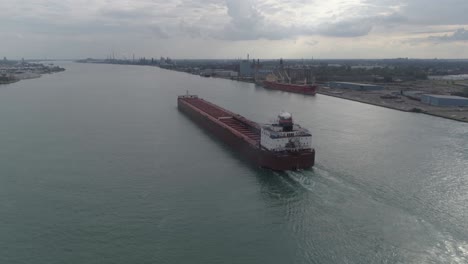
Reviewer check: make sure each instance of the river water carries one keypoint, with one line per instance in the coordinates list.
(98, 166)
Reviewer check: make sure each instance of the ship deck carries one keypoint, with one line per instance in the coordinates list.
(241, 125)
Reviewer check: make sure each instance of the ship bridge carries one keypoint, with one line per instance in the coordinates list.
(284, 135)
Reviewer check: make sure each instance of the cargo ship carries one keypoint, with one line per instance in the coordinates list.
(279, 79)
(308, 89)
(282, 145)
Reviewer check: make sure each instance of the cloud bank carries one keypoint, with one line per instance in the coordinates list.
(236, 24)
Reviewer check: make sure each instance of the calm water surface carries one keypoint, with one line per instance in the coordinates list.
(98, 166)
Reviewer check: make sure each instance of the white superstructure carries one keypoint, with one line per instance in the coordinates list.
(284, 135)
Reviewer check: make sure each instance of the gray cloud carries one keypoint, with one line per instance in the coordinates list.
(459, 35)
(424, 12)
(231, 22)
(356, 28)
(247, 22)
(312, 42)
(436, 12)
(159, 32)
(243, 19)
(122, 14)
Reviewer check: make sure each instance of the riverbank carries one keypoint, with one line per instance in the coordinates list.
(7, 80)
(14, 71)
(388, 99)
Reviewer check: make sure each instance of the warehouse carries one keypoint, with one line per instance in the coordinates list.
(355, 86)
(444, 100)
(225, 73)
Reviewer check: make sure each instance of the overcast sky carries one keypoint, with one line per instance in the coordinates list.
(233, 28)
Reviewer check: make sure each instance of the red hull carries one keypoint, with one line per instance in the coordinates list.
(293, 88)
(242, 135)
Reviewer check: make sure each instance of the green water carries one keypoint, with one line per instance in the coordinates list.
(98, 166)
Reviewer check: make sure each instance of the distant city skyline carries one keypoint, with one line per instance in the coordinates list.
(226, 29)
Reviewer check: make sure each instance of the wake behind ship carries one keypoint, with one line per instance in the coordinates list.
(279, 146)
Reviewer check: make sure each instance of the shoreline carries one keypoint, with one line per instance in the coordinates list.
(394, 108)
(9, 82)
(12, 71)
(364, 102)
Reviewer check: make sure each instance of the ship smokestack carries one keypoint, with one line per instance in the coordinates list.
(285, 121)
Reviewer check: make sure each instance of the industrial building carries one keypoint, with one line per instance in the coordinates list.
(263, 73)
(444, 100)
(225, 73)
(246, 68)
(355, 86)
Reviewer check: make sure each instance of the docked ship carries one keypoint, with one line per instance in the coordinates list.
(283, 82)
(308, 89)
(282, 145)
